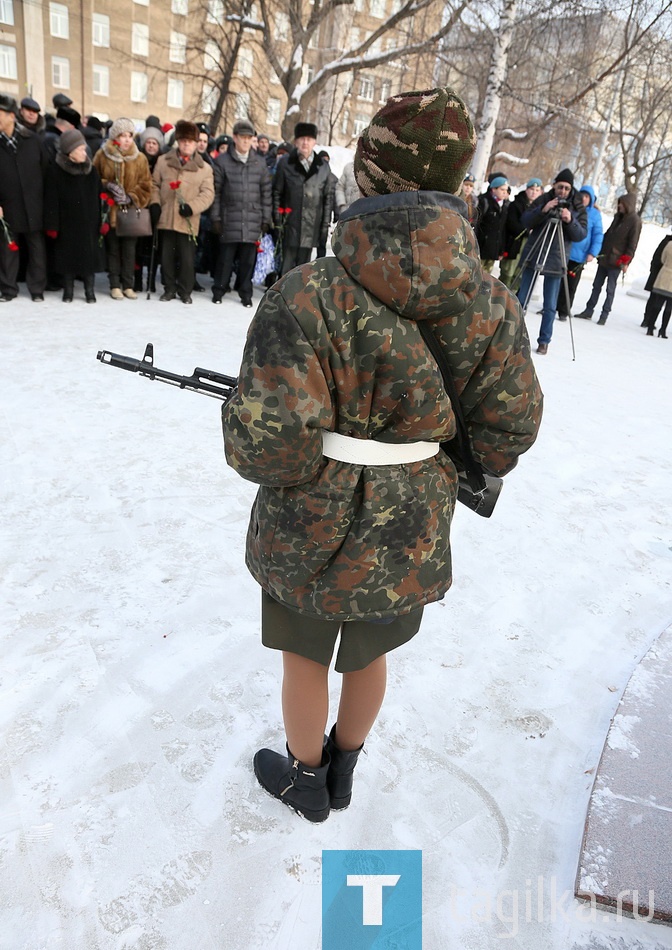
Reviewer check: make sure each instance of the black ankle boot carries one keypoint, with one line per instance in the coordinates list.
(662, 334)
(340, 774)
(300, 787)
(89, 292)
(68, 289)
(649, 332)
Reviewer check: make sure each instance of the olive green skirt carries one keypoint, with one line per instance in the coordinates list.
(362, 641)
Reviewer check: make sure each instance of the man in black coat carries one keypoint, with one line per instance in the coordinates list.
(302, 199)
(515, 233)
(22, 170)
(241, 211)
(556, 215)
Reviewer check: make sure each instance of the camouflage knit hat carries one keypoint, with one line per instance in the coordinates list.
(418, 141)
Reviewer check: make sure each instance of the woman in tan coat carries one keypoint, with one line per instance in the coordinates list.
(182, 188)
(125, 178)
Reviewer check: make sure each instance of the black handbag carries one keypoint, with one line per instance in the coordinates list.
(476, 489)
(133, 222)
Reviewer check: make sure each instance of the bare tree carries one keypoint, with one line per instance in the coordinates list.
(288, 26)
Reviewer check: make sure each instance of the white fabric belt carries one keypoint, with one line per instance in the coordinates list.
(343, 448)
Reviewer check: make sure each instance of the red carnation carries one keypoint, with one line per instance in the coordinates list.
(288, 210)
(110, 202)
(175, 185)
(281, 210)
(12, 246)
(104, 228)
(118, 144)
(103, 196)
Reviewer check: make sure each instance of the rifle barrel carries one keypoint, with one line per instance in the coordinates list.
(218, 385)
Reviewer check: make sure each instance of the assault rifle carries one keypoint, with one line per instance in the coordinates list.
(218, 386)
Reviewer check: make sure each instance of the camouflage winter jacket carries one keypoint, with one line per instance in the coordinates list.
(335, 346)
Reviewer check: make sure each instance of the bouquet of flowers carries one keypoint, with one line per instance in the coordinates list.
(11, 243)
(283, 212)
(175, 186)
(106, 202)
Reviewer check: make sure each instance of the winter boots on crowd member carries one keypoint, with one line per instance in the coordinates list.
(300, 787)
(340, 773)
(69, 289)
(585, 315)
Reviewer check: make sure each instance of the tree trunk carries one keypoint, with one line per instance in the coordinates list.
(485, 129)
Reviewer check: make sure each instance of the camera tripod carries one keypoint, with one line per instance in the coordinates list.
(540, 251)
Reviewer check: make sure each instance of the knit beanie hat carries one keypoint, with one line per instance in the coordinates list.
(68, 141)
(151, 133)
(418, 141)
(121, 125)
(566, 176)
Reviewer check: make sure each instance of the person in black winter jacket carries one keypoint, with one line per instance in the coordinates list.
(493, 207)
(540, 255)
(241, 211)
(72, 215)
(618, 249)
(656, 301)
(515, 233)
(22, 169)
(302, 199)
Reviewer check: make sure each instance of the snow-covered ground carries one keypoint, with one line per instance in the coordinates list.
(135, 689)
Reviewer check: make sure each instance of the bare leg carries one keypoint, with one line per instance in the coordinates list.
(305, 707)
(361, 698)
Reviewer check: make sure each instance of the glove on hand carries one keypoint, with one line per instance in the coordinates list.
(118, 193)
(185, 211)
(216, 227)
(155, 214)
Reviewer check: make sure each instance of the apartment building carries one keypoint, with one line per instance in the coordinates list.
(167, 57)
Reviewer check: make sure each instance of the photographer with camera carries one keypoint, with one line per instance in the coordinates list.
(564, 205)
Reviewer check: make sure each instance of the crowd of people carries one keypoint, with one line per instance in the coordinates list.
(127, 202)
(78, 197)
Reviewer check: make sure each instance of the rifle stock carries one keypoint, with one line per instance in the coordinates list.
(205, 381)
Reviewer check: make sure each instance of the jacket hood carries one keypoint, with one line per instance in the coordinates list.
(629, 202)
(589, 191)
(414, 251)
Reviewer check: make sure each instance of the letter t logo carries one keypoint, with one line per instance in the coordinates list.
(372, 894)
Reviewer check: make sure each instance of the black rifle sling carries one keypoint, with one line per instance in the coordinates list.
(472, 468)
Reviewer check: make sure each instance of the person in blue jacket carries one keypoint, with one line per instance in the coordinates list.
(581, 252)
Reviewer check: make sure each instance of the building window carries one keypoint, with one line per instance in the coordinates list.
(211, 56)
(344, 122)
(273, 112)
(8, 62)
(140, 39)
(100, 30)
(245, 62)
(314, 41)
(242, 105)
(138, 87)
(178, 47)
(209, 97)
(101, 80)
(281, 27)
(366, 88)
(385, 90)
(60, 72)
(354, 37)
(360, 123)
(175, 93)
(7, 12)
(180, 7)
(307, 74)
(378, 8)
(58, 20)
(215, 11)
